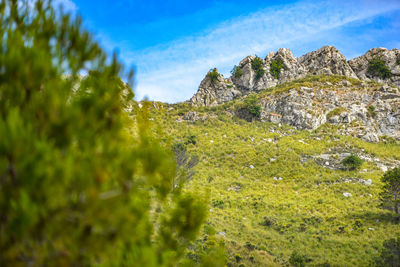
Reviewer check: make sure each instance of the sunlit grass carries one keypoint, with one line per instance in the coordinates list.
(304, 206)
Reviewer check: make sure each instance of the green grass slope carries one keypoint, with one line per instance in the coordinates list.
(268, 195)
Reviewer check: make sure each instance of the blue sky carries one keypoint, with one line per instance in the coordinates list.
(173, 43)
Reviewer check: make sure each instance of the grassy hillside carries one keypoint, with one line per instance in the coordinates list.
(272, 192)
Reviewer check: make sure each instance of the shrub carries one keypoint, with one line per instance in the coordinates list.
(268, 221)
(237, 72)
(336, 112)
(251, 104)
(377, 67)
(352, 162)
(76, 187)
(238, 258)
(298, 260)
(257, 66)
(218, 203)
(213, 75)
(191, 139)
(389, 254)
(371, 111)
(275, 68)
(389, 196)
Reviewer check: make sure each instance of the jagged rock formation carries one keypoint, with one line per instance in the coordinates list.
(359, 107)
(326, 60)
(212, 93)
(391, 59)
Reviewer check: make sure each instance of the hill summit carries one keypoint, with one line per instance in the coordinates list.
(255, 74)
(361, 95)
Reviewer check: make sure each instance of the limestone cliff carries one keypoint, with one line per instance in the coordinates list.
(326, 60)
(360, 110)
(364, 103)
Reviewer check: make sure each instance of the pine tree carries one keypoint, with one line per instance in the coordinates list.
(81, 182)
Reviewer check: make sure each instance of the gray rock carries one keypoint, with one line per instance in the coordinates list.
(212, 93)
(191, 116)
(296, 108)
(390, 57)
(327, 60)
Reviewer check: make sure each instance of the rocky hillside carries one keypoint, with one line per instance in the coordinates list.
(255, 74)
(365, 101)
(276, 191)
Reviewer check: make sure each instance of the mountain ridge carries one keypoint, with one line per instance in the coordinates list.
(326, 60)
(361, 96)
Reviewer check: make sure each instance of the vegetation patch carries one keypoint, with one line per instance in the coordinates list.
(251, 104)
(352, 162)
(298, 260)
(314, 81)
(336, 112)
(389, 254)
(371, 111)
(275, 68)
(377, 67)
(258, 67)
(213, 75)
(237, 72)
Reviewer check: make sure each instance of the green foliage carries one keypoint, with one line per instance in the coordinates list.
(237, 72)
(298, 260)
(82, 183)
(191, 139)
(275, 68)
(377, 67)
(389, 254)
(371, 111)
(390, 195)
(218, 203)
(398, 60)
(252, 105)
(352, 162)
(213, 75)
(317, 81)
(336, 112)
(268, 221)
(257, 65)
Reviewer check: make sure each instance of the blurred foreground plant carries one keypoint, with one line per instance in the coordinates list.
(77, 186)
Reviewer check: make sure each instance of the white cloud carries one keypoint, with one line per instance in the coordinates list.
(171, 72)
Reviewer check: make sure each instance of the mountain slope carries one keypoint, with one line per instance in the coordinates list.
(275, 189)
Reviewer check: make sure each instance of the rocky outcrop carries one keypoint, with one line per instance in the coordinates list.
(364, 113)
(391, 58)
(213, 92)
(326, 60)
(248, 81)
